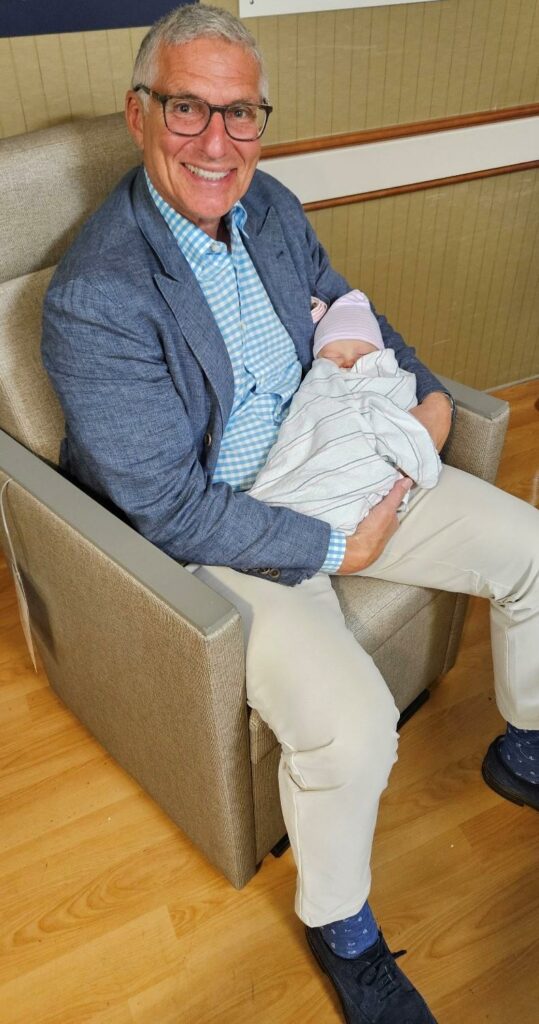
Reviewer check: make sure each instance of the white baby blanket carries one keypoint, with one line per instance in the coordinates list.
(347, 431)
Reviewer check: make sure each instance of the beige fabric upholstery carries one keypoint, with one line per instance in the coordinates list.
(29, 408)
(473, 448)
(52, 180)
(168, 703)
(165, 699)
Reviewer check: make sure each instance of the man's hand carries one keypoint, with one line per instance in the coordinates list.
(435, 415)
(365, 545)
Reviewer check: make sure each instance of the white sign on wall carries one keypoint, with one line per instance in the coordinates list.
(262, 8)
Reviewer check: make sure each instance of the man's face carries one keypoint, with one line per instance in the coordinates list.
(218, 72)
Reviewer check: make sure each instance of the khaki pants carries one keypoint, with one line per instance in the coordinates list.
(326, 701)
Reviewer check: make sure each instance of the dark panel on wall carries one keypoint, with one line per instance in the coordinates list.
(35, 17)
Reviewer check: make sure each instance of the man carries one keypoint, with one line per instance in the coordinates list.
(176, 331)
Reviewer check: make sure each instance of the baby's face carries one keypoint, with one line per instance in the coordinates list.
(345, 353)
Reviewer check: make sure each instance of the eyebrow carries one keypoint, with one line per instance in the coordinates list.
(193, 96)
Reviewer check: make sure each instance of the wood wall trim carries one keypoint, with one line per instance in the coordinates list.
(418, 186)
(398, 131)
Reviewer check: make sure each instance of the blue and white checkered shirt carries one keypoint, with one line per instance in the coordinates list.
(265, 365)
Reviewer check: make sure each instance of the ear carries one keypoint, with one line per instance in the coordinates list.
(134, 116)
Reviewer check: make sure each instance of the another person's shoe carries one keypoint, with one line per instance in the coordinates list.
(372, 989)
(504, 782)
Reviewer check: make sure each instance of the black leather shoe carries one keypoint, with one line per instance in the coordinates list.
(372, 989)
(503, 781)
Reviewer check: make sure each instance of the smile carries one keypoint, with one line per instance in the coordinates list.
(200, 172)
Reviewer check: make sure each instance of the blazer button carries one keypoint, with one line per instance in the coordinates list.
(207, 440)
(274, 574)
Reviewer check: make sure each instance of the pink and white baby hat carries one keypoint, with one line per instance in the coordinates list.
(350, 318)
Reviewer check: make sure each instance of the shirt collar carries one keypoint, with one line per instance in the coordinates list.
(192, 240)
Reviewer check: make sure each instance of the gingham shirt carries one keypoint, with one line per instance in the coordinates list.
(265, 365)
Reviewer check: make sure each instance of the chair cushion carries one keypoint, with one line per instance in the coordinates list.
(29, 409)
(52, 180)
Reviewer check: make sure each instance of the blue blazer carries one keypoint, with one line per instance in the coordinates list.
(146, 385)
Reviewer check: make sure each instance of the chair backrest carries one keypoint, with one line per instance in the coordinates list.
(52, 181)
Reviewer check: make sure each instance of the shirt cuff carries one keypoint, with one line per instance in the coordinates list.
(336, 550)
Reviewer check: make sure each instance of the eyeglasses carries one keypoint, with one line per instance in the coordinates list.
(189, 115)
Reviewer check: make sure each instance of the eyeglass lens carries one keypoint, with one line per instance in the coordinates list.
(190, 116)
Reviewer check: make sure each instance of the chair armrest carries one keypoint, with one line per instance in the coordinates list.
(476, 440)
(147, 656)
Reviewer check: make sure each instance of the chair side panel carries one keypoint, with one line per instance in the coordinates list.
(165, 701)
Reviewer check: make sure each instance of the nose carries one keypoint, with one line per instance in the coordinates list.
(214, 137)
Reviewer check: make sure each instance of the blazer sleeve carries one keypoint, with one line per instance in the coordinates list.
(130, 440)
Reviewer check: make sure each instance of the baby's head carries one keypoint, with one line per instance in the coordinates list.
(345, 352)
(348, 330)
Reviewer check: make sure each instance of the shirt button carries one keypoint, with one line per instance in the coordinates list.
(207, 440)
(215, 247)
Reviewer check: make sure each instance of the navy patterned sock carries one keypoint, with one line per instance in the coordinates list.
(350, 937)
(520, 751)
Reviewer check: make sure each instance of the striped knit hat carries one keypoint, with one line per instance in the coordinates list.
(350, 318)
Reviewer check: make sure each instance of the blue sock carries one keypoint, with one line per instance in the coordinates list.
(350, 937)
(520, 751)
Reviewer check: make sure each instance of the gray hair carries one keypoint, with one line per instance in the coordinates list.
(183, 25)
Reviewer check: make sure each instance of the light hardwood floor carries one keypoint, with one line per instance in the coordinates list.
(110, 916)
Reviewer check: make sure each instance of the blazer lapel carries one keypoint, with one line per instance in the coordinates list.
(269, 252)
(182, 293)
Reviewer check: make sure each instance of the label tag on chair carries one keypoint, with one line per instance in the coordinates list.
(24, 612)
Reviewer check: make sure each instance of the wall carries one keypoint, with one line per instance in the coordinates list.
(434, 261)
(330, 72)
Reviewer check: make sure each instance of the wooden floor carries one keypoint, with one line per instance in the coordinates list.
(109, 915)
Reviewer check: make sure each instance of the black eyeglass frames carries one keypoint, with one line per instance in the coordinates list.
(190, 115)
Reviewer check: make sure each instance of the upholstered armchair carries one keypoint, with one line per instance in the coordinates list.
(149, 658)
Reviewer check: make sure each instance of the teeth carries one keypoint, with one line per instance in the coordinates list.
(207, 175)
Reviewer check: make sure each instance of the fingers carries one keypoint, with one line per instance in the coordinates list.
(396, 494)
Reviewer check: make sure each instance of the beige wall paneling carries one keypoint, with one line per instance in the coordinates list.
(287, 45)
(53, 77)
(342, 75)
(428, 60)
(120, 64)
(30, 83)
(11, 109)
(447, 44)
(359, 73)
(519, 347)
(453, 268)
(378, 89)
(486, 329)
(413, 32)
(306, 74)
(353, 68)
(479, 253)
(98, 57)
(324, 72)
(77, 75)
(440, 301)
(229, 5)
(266, 33)
(492, 45)
(394, 64)
(463, 62)
(411, 62)
(524, 72)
